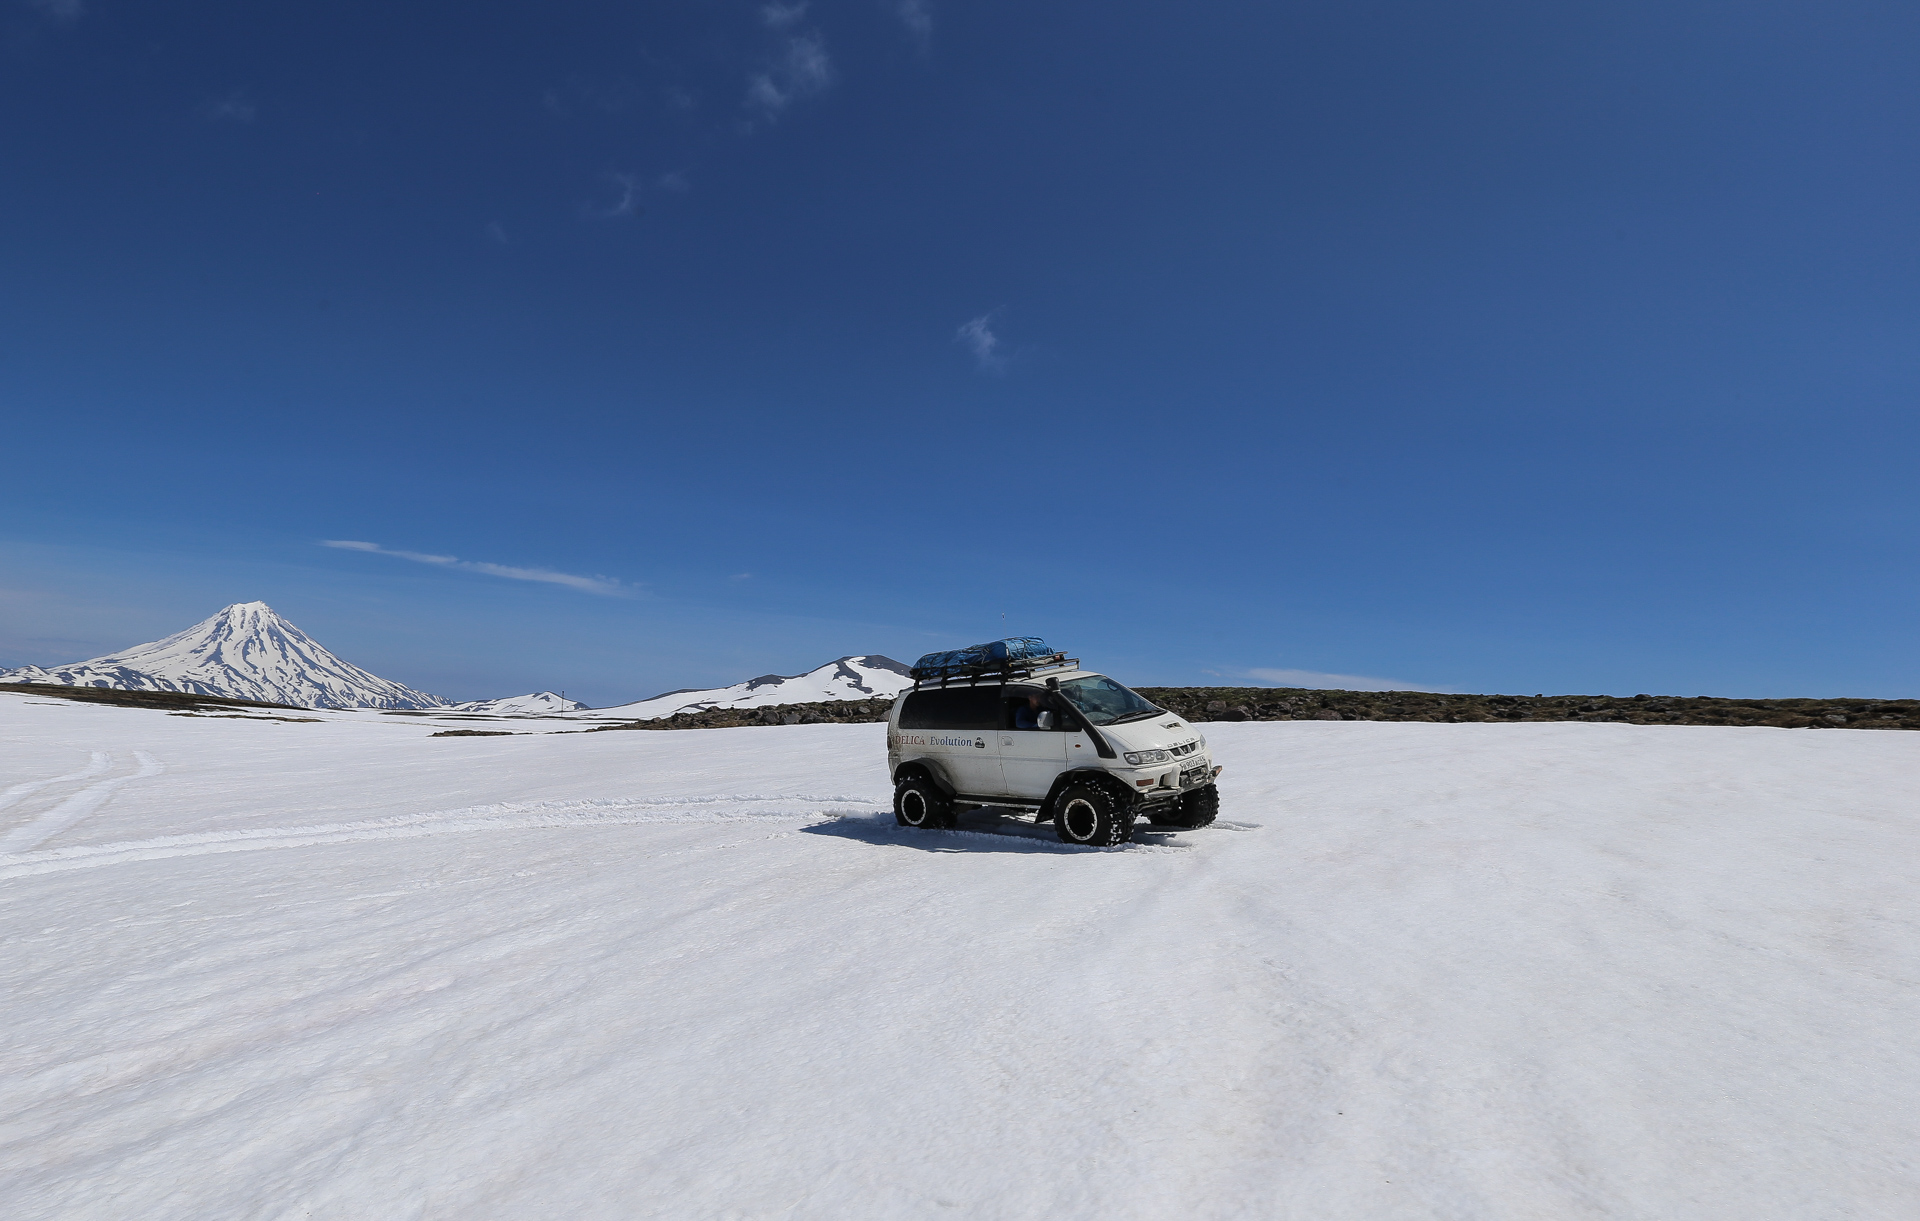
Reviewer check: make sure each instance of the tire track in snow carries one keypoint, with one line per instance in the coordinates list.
(73, 809)
(497, 817)
(101, 762)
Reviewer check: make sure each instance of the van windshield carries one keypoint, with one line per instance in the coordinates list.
(1105, 702)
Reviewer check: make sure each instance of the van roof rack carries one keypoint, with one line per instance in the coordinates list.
(1001, 672)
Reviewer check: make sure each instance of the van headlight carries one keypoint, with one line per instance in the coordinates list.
(1141, 758)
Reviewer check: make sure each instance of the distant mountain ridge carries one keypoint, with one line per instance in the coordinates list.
(246, 651)
(520, 705)
(856, 677)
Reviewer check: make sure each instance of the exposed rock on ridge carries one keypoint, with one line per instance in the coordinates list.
(1298, 704)
(1203, 704)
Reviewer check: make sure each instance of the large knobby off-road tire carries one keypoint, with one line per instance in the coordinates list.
(1088, 814)
(918, 802)
(1196, 809)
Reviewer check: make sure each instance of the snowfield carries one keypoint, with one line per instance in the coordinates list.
(342, 969)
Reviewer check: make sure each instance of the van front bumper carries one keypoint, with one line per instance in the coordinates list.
(1166, 789)
(1188, 774)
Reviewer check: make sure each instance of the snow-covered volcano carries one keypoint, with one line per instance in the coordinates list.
(849, 678)
(244, 652)
(520, 705)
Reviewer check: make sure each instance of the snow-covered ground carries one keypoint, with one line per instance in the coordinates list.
(341, 969)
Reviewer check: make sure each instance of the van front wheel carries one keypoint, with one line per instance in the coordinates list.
(1088, 815)
(1198, 808)
(919, 803)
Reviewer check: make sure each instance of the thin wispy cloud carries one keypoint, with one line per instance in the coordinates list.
(59, 10)
(630, 191)
(917, 16)
(233, 108)
(781, 16)
(593, 585)
(607, 94)
(977, 336)
(1325, 682)
(802, 70)
(626, 198)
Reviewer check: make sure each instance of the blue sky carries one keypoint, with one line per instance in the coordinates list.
(1473, 346)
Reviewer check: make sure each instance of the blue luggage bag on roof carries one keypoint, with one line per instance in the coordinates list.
(981, 657)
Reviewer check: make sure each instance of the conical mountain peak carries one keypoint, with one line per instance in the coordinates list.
(243, 651)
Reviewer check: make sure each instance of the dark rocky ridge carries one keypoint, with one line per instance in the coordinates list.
(1299, 704)
(1295, 704)
(1240, 704)
(840, 712)
(177, 700)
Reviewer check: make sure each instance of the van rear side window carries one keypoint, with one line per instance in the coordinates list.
(964, 708)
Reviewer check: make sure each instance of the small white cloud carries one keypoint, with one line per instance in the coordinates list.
(917, 16)
(802, 70)
(740, 576)
(1326, 682)
(807, 64)
(781, 16)
(233, 108)
(60, 10)
(763, 94)
(977, 334)
(497, 232)
(627, 198)
(593, 585)
(630, 191)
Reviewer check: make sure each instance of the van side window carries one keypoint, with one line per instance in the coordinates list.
(1014, 702)
(968, 709)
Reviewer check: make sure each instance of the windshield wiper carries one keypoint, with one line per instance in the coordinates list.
(1135, 716)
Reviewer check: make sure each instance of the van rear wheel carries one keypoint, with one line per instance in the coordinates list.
(1088, 815)
(919, 803)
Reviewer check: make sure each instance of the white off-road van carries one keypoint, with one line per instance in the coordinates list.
(1042, 734)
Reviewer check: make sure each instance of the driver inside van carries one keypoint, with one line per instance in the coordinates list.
(1027, 715)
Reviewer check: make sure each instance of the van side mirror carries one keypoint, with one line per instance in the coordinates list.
(1046, 720)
